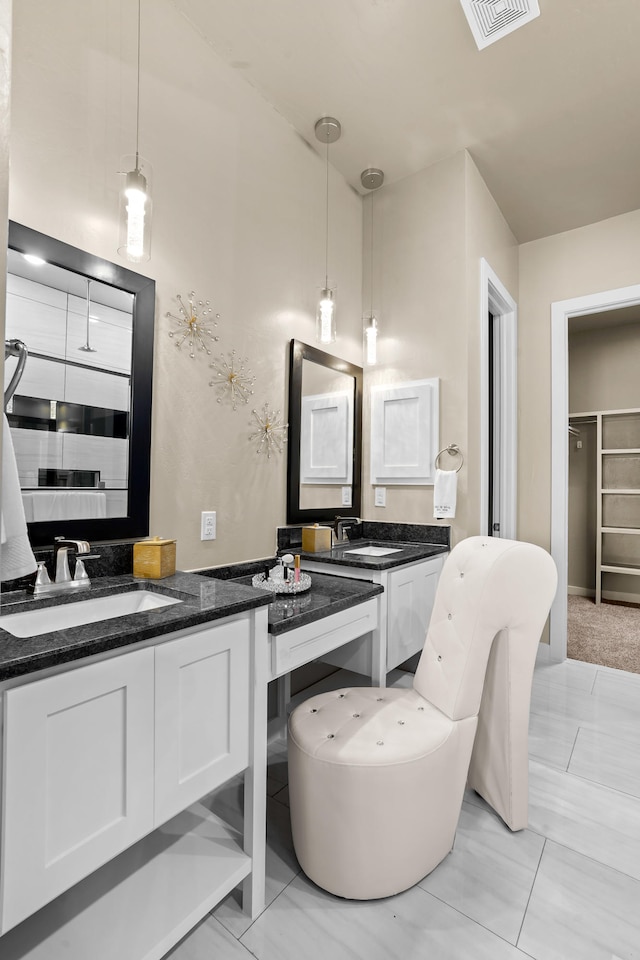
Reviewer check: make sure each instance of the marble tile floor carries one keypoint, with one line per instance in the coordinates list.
(567, 887)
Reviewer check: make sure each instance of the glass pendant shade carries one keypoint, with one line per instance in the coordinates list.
(326, 316)
(371, 179)
(370, 340)
(135, 210)
(327, 130)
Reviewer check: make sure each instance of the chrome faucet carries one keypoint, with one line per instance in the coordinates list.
(341, 525)
(82, 548)
(64, 582)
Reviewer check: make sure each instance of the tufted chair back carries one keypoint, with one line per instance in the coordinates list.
(487, 585)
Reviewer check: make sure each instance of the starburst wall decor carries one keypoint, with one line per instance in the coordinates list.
(194, 322)
(233, 379)
(271, 433)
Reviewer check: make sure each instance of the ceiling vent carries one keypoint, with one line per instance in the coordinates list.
(490, 20)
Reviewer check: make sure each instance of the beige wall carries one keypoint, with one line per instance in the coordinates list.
(430, 231)
(581, 523)
(487, 236)
(602, 256)
(603, 368)
(419, 291)
(239, 217)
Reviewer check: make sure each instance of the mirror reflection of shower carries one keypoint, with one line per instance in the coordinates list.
(87, 348)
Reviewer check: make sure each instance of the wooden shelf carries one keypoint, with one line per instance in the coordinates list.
(153, 893)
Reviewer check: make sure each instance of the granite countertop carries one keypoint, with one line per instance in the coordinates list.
(202, 599)
(326, 595)
(411, 541)
(404, 553)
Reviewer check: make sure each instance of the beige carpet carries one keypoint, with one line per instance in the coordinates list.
(608, 634)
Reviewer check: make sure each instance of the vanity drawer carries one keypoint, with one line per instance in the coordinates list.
(296, 647)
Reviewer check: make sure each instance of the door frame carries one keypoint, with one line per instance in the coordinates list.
(496, 299)
(561, 311)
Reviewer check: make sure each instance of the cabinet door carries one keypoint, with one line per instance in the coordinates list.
(202, 714)
(411, 593)
(78, 783)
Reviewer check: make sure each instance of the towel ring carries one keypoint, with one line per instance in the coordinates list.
(454, 451)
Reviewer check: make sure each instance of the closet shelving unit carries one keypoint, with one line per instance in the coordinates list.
(618, 486)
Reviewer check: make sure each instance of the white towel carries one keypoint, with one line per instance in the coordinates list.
(16, 555)
(444, 494)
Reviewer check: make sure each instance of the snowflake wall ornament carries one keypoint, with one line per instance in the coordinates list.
(233, 379)
(271, 433)
(194, 321)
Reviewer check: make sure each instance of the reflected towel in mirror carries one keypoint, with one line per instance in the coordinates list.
(16, 555)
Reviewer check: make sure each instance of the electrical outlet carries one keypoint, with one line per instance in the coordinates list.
(346, 497)
(380, 496)
(208, 525)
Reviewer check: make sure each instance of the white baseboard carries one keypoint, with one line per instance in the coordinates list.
(623, 597)
(614, 595)
(580, 592)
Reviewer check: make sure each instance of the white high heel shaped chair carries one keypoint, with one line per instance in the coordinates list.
(377, 776)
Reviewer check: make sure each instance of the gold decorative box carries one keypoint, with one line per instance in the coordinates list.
(316, 538)
(154, 559)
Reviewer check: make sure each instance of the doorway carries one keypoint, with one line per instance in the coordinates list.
(498, 407)
(561, 311)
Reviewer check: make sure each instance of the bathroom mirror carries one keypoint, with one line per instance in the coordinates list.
(80, 415)
(325, 436)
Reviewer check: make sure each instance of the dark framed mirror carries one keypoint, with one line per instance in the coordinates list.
(324, 456)
(80, 414)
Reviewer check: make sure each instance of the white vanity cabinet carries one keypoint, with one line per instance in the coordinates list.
(411, 592)
(405, 612)
(78, 777)
(104, 767)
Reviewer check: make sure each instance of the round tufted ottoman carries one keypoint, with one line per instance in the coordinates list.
(376, 778)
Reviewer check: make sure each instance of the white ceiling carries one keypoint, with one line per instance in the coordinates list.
(549, 113)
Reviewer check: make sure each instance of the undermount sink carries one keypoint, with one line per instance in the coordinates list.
(30, 623)
(372, 551)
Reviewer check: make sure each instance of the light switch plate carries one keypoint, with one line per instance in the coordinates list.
(346, 497)
(380, 496)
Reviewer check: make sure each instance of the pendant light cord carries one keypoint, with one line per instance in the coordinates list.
(371, 267)
(138, 89)
(88, 309)
(326, 248)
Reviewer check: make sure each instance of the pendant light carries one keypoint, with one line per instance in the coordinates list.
(135, 196)
(87, 348)
(328, 130)
(371, 179)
